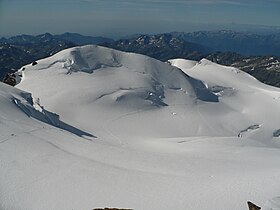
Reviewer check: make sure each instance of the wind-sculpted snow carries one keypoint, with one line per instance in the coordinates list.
(167, 136)
(25, 103)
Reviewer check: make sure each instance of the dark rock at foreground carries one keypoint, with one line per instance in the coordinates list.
(253, 206)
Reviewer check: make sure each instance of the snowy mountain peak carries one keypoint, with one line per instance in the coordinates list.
(129, 79)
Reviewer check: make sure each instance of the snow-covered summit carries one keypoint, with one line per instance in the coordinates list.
(126, 76)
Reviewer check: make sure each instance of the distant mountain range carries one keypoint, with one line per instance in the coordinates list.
(239, 42)
(245, 43)
(161, 47)
(79, 39)
(74, 38)
(224, 47)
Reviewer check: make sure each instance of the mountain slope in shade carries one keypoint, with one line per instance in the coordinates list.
(160, 144)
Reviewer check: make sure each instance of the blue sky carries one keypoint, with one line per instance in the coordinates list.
(121, 17)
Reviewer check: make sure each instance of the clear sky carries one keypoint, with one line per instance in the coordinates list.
(120, 17)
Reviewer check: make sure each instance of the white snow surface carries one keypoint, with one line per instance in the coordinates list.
(272, 204)
(104, 128)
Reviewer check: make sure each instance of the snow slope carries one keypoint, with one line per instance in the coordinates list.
(203, 139)
(257, 102)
